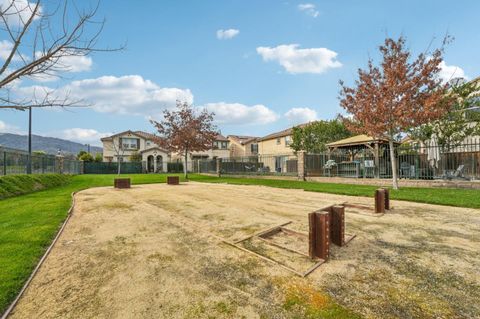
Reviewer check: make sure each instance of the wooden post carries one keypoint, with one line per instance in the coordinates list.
(380, 201)
(122, 183)
(173, 180)
(337, 225)
(387, 198)
(319, 234)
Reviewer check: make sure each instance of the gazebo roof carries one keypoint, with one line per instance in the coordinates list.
(358, 140)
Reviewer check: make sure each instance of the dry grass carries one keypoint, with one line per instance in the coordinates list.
(154, 251)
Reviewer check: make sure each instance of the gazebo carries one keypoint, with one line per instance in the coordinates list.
(360, 152)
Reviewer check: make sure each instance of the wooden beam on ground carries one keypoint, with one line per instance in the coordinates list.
(262, 232)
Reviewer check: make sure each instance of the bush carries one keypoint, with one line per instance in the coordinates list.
(14, 185)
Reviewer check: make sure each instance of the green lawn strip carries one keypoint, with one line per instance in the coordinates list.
(441, 196)
(14, 185)
(28, 224)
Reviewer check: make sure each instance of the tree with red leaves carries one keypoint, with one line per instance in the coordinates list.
(399, 94)
(184, 131)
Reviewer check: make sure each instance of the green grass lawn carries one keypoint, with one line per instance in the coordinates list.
(28, 223)
(442, 196)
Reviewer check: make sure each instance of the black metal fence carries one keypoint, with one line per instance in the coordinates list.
(112, 168)
(254, 165)
(460, 162)
(14, 161)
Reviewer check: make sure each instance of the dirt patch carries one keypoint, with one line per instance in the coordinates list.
(154, 251)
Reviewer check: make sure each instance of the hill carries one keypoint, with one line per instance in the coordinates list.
(50, 145)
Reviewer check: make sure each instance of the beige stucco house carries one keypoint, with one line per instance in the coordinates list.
(243, 146)
(277, 143)
(121, 147)
(220, 149)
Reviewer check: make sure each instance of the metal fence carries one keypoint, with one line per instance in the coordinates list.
(254, 165)
(413, 162)
(112, 168)
(14, 161)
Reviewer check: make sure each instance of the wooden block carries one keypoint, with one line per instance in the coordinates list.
(380, 201)
(322, 240)
(121, 182)
(173, 180)
(387, 198)
(337, 225)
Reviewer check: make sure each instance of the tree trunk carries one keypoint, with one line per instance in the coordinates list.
(393, 160)
(185, 165)
(119, 165)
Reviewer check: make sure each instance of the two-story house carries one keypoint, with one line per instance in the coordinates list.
(220, 149)
(243, 146)
(135, 145)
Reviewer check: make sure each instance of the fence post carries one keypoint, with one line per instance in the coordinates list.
(59, 164)
(301, 165)
(4, 162)
(219, 167)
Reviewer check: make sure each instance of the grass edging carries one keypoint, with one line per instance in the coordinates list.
(42, 260)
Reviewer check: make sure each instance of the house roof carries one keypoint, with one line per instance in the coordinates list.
(357, 140)
(283, 133)
(154, 148)
(242, 139)
(220, 137)
(145, 135)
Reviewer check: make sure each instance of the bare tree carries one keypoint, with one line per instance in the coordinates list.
(42, 39)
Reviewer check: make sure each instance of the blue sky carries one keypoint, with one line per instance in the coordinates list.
(275, 64)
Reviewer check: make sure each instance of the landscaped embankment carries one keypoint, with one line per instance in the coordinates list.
(14, 185)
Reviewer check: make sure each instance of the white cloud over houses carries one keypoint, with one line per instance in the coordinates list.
(448, 72)
(227, 34)
(129, 94)
(296, 60)
(299, 115)
(240, 114)
(82, 135)
(309, 8)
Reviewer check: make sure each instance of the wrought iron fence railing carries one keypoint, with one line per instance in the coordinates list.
(13, 161)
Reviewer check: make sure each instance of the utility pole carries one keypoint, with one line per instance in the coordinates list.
(29, 161)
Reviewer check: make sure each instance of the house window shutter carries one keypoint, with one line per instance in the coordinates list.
(120, 143)
(138, 144)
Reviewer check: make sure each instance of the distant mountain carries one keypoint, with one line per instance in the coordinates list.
(50, 145)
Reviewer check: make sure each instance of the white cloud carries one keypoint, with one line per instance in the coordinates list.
(309, 9)
(19, 11)
(240, 114)
(7, 128)
(227, 34)
(448, 72)
(295, 60)
(71, 64)
(5, 50)
(299, 115)
(81, 135)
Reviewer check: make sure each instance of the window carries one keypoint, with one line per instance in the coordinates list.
(279, 141)
(130, 143)
(288, 140)
(254, 148)
(224, 145)
(148, 143)
(215, 145)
